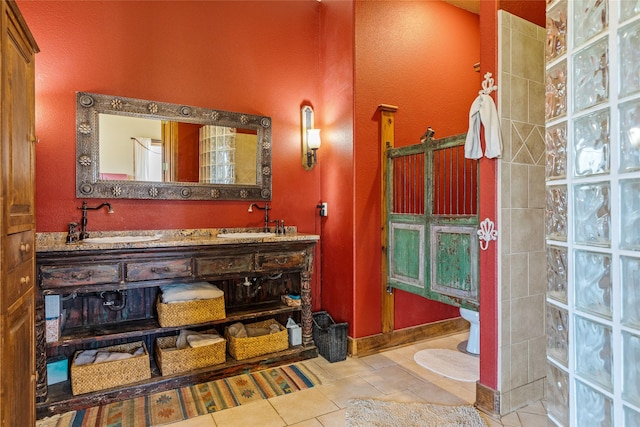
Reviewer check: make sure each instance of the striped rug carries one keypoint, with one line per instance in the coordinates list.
(188, 402)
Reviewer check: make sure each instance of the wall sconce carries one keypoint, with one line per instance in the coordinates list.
(310, 137)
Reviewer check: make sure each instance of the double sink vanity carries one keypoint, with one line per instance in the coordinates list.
(107, 286)
(99, 289)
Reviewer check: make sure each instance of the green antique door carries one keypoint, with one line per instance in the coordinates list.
(432, 221)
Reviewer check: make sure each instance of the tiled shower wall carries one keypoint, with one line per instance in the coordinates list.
(522, 199)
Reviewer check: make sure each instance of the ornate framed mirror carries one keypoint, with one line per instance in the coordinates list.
(130, 148)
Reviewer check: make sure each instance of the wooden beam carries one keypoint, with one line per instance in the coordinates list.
(387, 113)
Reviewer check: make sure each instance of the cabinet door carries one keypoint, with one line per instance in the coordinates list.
(18, 127)
(18, 363)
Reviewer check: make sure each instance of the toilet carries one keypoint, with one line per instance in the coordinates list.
(473, 317)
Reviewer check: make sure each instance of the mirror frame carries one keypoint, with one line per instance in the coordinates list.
(88, 184)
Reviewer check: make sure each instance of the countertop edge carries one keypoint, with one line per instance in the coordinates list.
(56, 241)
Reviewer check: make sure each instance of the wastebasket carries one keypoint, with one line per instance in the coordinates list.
(330, 337)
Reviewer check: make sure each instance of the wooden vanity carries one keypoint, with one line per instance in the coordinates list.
(108, 294)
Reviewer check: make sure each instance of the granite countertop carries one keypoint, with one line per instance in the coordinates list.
(56, 241)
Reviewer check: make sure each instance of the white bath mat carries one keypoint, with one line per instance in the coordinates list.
(380, 413)
(449, 363)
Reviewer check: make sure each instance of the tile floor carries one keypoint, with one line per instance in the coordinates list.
(390, 375)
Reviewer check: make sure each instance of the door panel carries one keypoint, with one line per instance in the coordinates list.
(18, 130)
(432, 221)
(406, 249)
(453, 270)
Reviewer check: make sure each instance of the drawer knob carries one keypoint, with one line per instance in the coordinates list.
(25, 280)
(281, 261)
(160, 270)
(24, 247)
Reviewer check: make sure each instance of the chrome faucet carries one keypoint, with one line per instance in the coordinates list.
(265, 208)
(85, 208)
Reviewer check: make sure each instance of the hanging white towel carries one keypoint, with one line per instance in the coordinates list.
(141, 150)
(483, 110)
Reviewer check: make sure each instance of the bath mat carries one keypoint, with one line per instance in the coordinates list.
(180, 404)
(450, 363)
(380, 413)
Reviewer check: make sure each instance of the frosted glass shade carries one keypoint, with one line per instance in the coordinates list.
(313, 139)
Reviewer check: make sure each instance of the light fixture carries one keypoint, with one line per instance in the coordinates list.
(310, 137)
(313, 143)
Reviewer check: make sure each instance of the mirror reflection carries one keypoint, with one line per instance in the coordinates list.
(132, 148)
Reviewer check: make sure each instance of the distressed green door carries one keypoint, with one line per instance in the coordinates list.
(432, 221)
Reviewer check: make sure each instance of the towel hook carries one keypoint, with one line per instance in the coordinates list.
(487, 233)
(487, 85)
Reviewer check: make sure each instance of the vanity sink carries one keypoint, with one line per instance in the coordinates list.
(247, 235)
(120, 239)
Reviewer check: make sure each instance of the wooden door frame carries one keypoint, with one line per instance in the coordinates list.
(387, 132)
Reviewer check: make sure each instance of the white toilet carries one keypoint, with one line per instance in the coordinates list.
(473, 317)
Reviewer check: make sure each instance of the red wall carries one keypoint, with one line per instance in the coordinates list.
(343, 57)
(418, 56)
(531, 10)
(488, 209)
(336, 165)
(252, 56)
(188, 148)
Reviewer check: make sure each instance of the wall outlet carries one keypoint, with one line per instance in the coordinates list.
(323, 209)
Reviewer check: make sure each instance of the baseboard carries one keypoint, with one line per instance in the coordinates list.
(487, 399)
(375, 343)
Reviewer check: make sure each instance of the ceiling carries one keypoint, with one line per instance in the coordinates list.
(470, 5)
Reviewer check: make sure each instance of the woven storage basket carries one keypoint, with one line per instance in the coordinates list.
(100, 376)
(245, 348)
(190, 312)
(174, 361)
(330, 337)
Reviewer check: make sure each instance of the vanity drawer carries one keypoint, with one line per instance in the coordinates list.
(152, 270)
(224, 264)
(52, 276)
(279, 260)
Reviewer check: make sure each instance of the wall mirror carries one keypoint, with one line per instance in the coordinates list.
(138, 149)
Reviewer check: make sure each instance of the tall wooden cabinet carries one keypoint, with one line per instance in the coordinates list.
(17, 225)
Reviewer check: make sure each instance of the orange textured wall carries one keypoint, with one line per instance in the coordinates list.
(418, 56)
(251, 56)
(336, 160)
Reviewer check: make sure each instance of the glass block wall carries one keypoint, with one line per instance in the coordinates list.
(217, 163)
(592, 214)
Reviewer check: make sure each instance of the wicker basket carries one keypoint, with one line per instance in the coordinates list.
(245, 348)
(100, 376)
(190, 312)
(174, 361)
(330, 337)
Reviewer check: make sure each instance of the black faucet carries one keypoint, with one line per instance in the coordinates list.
(85, 208)
(265, 208)
(279, 226)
